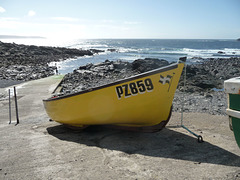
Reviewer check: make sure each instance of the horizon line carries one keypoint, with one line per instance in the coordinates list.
(41, 37)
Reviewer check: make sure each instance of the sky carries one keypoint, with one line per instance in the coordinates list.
(91, 19)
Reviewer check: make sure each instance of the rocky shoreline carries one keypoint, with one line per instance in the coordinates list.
(199, 95)
(201, 77)
(211, 73)
(94, 75)
(22, 63)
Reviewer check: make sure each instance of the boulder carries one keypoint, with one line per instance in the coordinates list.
(96, 51)
(112, 50)
(147, 64)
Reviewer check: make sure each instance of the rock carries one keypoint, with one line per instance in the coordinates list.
(205, 84)
(208, 96)
(119, 65)
(96, 51)
(197, 57)
(112, 50)
(147, 64)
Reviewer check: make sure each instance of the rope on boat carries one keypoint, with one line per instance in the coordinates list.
(200, 138)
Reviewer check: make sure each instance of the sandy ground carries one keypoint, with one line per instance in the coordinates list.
(39, 149)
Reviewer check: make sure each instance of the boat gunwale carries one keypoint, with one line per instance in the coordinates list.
(141, 75)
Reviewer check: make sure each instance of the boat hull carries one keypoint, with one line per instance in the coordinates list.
(234, 115)
(232, 88)
(142, 100)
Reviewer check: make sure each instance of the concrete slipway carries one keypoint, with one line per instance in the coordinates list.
(39, 149)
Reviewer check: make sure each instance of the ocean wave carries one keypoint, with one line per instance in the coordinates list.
(208, 53)
(161, 51)
(232, 51)
(89, 46)
(130, 50)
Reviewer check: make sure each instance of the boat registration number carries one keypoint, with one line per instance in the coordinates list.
(134, 88)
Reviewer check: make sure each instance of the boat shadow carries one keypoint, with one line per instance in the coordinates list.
(166, 144)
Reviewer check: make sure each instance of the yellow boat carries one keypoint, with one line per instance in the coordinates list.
(141, 102)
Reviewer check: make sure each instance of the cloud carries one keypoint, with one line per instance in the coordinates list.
(17, 26)
(2, 10)
(31, 13)
(68, 19)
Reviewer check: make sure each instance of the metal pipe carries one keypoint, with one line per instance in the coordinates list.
(200, 138)
(9, 98)
(15, 96)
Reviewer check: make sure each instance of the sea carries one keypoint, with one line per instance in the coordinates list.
(132, 49)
